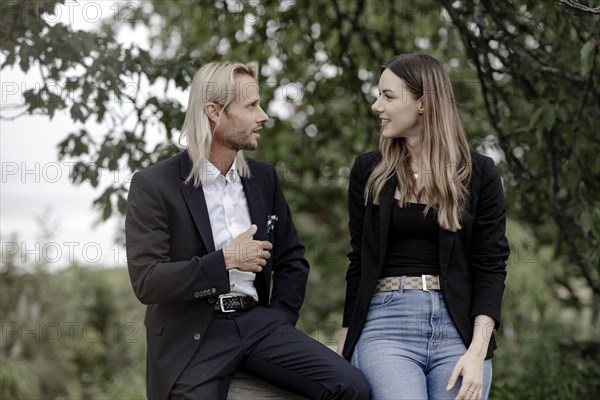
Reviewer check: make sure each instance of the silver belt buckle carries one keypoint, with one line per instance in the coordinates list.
(226, 296)
(424, 282)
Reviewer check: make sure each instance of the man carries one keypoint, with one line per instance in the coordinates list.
(206, 230)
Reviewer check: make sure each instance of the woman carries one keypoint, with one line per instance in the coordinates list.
(427, 227)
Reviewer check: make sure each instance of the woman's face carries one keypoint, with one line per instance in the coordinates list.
(401, 115)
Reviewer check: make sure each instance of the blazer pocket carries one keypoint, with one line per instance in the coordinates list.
(154, 324)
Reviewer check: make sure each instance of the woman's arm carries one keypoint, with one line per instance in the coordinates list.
(489, 246)
(489, 251)
(470, 365)
(341, 340)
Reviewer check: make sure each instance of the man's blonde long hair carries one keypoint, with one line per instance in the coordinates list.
(214, 82)
(446, 160)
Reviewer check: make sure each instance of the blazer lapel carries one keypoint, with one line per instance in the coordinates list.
(446, 239)
(258, 216)
(196, 203)
(385, 214)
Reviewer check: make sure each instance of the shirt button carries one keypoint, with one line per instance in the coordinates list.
(211, 300)
(196, 336)
(197, 294)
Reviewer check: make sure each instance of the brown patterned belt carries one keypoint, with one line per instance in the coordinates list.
(423, 282)
(230, 303)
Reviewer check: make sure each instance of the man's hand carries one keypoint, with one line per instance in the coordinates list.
(246, 254)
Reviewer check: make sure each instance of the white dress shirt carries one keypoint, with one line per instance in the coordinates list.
(229, 216)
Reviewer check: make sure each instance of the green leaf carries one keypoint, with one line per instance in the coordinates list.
(24, 58)
(587, 57)
(595, 229)
(549, 117)
(585, 219)
(10, 60)
(33, 99)
(76, 114)
(107, 210)
(536, 117)
(122, 204)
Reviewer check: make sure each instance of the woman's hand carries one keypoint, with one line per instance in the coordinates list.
(341, 340)
(470, 367)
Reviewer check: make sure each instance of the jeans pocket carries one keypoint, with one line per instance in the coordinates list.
(380, 299)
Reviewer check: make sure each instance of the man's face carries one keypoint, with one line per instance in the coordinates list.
(243, 118)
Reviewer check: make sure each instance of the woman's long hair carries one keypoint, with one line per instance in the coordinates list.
(214, 82)
(446, 160)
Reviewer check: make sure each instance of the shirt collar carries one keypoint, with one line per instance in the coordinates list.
(210, 174)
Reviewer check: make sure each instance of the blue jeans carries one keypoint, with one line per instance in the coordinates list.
(409, 346)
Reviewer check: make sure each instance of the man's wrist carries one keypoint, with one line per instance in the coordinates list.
(228, 260)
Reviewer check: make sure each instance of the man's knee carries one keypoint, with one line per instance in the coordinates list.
(362, 390)
(354, 386)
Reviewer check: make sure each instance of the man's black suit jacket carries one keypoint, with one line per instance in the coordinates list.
(175, 270)
(472, 260)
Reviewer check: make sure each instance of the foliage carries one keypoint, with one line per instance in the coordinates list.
(77, 333)
(547, 368)
(511, 63)
(526, 78)
(546, 351)
(537, 66)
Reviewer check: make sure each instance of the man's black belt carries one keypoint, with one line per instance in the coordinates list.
(234, 303)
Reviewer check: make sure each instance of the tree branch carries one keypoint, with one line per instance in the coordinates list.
(578, 6)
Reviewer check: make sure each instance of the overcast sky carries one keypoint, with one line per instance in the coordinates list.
(35, 184)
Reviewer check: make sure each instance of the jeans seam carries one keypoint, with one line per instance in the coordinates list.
(433, 330)
(355, 357)
(385, 303)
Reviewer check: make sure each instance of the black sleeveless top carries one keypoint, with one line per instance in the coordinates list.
(413, 242)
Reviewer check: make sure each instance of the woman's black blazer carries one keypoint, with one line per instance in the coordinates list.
(472, 260)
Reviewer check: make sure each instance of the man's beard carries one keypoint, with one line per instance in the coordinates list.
(237, 139)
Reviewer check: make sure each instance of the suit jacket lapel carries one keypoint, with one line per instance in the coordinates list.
(196, 203)
(258, 216)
